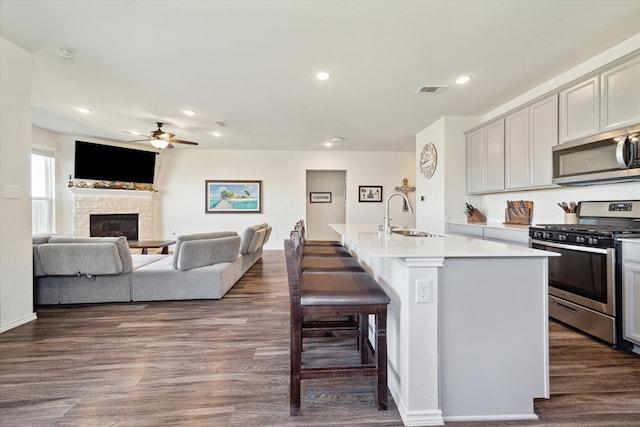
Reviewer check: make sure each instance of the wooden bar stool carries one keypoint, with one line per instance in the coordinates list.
(319, 248)
(301, 228)
(335, 294)
(326, 264)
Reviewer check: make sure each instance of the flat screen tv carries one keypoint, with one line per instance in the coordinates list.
(110, 163)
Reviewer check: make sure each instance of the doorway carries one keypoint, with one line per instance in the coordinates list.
(329, 203)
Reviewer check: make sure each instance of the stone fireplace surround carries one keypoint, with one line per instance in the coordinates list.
(87, 201)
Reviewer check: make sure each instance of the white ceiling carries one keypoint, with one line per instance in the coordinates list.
(252, 64)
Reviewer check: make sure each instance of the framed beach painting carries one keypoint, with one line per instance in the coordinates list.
(370, 193)
(233, 196)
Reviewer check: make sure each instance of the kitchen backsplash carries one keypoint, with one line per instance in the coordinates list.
(546, 209)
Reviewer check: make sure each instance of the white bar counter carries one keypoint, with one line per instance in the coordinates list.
(467, 330)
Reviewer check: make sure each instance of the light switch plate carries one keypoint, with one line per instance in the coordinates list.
(11, 191)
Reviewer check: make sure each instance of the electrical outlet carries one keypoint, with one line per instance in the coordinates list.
(423, 290)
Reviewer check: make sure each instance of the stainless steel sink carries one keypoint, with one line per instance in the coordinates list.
(415, 233)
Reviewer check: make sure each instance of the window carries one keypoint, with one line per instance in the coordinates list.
(42, 192)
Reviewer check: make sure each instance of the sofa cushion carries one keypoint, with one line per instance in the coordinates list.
(67, 259)
(267, 235)
(246, 238)
(39, 239)
(204, 252)
(121, 244)
(257, 241)
(197, 236)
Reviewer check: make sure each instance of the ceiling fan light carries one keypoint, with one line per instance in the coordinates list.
(158, 143)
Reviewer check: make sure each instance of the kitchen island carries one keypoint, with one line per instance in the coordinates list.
(467, 331)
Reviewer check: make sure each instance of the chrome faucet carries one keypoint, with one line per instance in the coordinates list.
(387, 220)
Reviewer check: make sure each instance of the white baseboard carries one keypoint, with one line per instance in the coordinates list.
(18, 322)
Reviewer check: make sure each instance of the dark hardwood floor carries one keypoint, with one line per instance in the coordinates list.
(226, 363)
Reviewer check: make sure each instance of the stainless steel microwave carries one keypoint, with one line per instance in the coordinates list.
(610, 157)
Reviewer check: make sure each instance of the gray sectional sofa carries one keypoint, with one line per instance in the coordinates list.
(75, 270)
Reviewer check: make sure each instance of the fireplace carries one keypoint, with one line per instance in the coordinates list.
(114, 225)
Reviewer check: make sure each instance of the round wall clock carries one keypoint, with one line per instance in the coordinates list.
(428, 160)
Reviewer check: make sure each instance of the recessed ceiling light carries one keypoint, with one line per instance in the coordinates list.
(328, 144)
(189, 113)
(463, 79)
(217, 134)
(83, 110)
(323, 75)
(337, 139)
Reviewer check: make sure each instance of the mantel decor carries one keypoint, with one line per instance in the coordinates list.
(111, 185)
(370, 193)
(233, 196)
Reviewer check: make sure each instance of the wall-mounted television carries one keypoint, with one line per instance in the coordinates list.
(110, 163)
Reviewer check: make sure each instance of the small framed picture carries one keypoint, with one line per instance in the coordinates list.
(370, 193)
(323, 197)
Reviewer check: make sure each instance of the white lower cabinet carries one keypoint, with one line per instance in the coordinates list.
(631, 292)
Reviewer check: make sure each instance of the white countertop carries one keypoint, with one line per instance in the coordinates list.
(379, 244)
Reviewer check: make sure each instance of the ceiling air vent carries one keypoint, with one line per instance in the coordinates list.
(432, 89)
(222, 124)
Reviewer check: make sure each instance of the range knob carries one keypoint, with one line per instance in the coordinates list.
(563, 237)
(593, 241)
(581, 239)
(537, 234)
(546, 235)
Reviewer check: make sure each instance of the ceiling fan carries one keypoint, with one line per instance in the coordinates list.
(162, 139)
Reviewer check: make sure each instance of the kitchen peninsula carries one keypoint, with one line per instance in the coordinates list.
(467, 331)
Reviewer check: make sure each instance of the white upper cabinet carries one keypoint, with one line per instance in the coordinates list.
(515, 152)
(485, 158)
(543, 135)
(494, 173)
(475, 161)
(516, 143)
(530, 133)
(620, 106)
(608, 101)
(580, 110)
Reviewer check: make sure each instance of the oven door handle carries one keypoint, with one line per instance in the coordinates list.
(570, 247)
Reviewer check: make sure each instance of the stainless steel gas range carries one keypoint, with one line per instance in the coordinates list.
(585, 289)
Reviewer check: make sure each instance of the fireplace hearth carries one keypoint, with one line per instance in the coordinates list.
(114, 225)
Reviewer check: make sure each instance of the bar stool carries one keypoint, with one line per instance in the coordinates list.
(301, 228)
(335, 294)
(326, 264)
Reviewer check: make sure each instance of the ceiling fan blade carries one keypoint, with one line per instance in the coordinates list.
(141, 140)
(181, 141)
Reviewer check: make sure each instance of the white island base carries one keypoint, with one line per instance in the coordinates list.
(467, 328)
